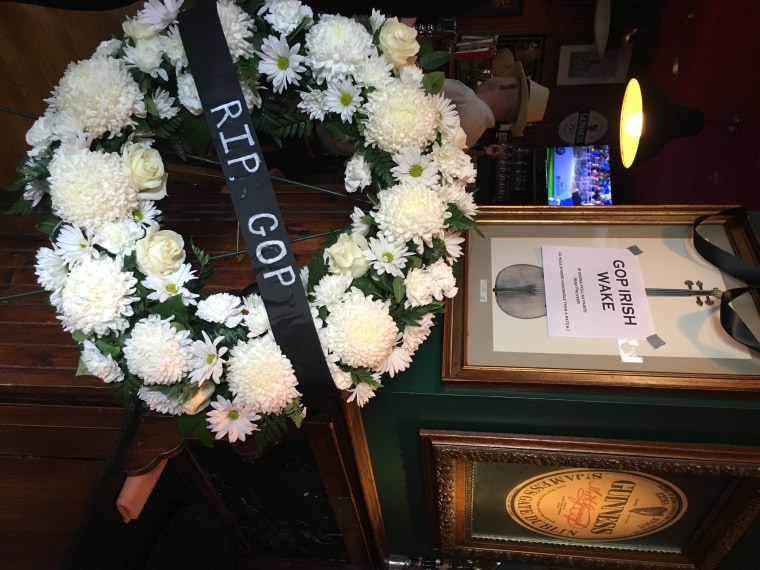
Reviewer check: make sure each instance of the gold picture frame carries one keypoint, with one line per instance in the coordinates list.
(591, 503)
(483, 346)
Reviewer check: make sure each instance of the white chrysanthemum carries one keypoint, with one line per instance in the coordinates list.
(413, 336)
(375, 71)
(285, 15)
(147, 56)
(119, 237)
(237, 26)
(413, 166)
(157, 352)
(261, 376)
(164, 103)
(361, 222)
(97, 297)
(398, 117)
(108, 48)
(101, 93)
(158, 15)
(101, 365)
(174, 49)
(146, 213)
(206, 359)
(362, 393)
(252, 96)
(376, 20)
(335, 46)
(69, 129)
(331, 289)
(456, 193)
(342, 379)
(90, 188)
(453, 163)
(160, 402)
(255, 319)
(359, 330)
(280, 62)
(344, 98)
(221, 308)
(424, 284)
(187, 91)
(74, 246)
(42, 132)
(411, 212)
(397, 361)
(313, 104)
(387, 256)
(51, 269)
(448, 118)
(358, 175)
(231, 419)
(453, 243)
(411, 75)
(163, 287)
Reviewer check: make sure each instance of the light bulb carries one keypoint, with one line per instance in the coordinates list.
(633, 124)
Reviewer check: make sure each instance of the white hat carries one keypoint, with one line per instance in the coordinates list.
(533, 96)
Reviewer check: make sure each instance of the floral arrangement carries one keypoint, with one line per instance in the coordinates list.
(124, 286)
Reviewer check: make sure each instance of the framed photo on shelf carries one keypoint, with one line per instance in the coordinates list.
(593, 503)
(581, 65)
(496, 331)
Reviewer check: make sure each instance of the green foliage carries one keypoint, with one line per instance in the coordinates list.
(411, 317)
(173, 306)
(272, 430)
(359, 375)
(434, 59)
(20, 207)
(195, 426)
(281, 119)
(433, 82)
(295, 412)
(380, 163)
(458, 222)
(125, 390)
(49, 225)
(399, 289)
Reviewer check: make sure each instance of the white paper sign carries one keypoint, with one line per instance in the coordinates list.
(595, 293)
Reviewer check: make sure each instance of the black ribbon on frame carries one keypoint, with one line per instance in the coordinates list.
(253, 197)
(731, 322)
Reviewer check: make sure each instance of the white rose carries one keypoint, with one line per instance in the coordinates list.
(200, 400)
(146, 171)
(160, 251)
(398, 42)
(137, 30)
(347, 255)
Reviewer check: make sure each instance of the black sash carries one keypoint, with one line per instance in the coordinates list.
(266, 238)
(731, 265)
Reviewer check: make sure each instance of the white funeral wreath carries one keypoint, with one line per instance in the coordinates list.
(123, 286)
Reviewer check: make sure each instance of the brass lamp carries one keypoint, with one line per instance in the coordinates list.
(648, 121)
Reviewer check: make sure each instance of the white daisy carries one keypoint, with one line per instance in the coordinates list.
(362, 393)
(51, 269)
(147, 55)
(361, 222)
(344, 98)
(231, 420)
(280, 63)
(414, 335)
(221, 308)
(157, 352)
(164, 103)
(146, 213)
(413, 166)
(74, 246)
(448, 118)
(397, 361)
(206, 360)
(158, 15)
(387, 256)
(358, 175)
(34, 191)
(174, 49)
(453, 243)
(261, 376)
(456, 193)
(101, 365)
(376, 20)
(163, 287)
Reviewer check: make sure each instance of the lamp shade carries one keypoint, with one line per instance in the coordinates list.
(648, 121)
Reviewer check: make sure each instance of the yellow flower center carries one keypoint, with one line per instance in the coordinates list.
(233, 415)
(283, 63)
(211, 358)
(415, 171)
(346, 99)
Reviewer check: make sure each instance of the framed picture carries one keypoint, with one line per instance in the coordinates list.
(591, 503)
(581, 65)
(500, 336)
